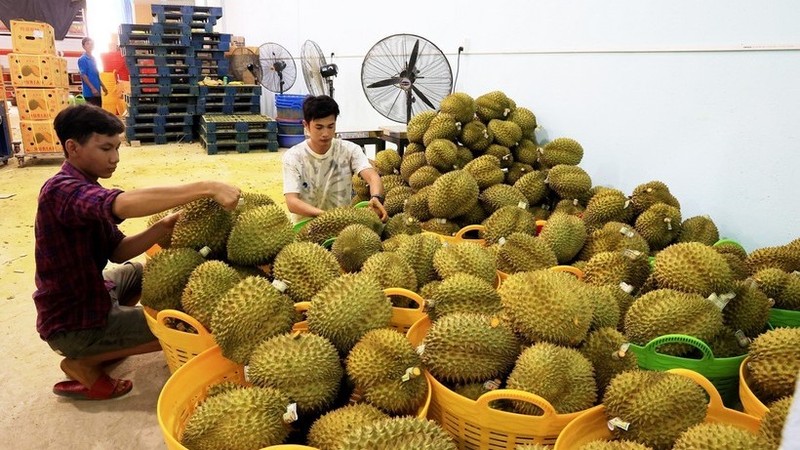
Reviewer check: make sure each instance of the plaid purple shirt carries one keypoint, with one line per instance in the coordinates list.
(76, 234)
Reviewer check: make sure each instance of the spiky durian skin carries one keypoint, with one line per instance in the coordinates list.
(517, 171)
(521, 252)
(165, 240)
(441, 154)
(206, 285)
(463, 293)
(330, 430)
(415, 131)
(774, 363)
(347, 308)
(606, 307)
(613, 236)
(165, 276)
(239, 419)
(609, 205)
(202, 223)
(570, 207)
(250, 312)
(405, 433)
(474, 216)
(258, 235)
(561, 151)
(453, 194)
(441, 226)
(465, 257)
(401, 223)
(282, 360)
(602, 349)
(561, 312)
(658, 405)
(614, 445)
(306, 267)
(418, 251)
(533, 186)
(354, 244)
(565, 234)
(502, 153)
(748, 311)
(694, 268)
(468, 347)
(388, 162)
(378, 364)
(492, 105)
(500, 195)
(660, 225)
(718, 436)
(560, 375)
(416, 206)
(333, 221)
(475, 135)
(459, 105)
(525, 119)
(424, 176)
(486, 171)
(773, 422)
(391, 270)
(699, 229)
(443, 126)
(223, 386)
(569, 182)
(508, 220)
(506, 133)
(648, 194)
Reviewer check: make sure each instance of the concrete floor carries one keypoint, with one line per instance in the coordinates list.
(34, 418)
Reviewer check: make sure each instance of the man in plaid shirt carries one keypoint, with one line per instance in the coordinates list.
(84, 313)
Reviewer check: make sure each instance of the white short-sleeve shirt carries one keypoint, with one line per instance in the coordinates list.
(323, 181)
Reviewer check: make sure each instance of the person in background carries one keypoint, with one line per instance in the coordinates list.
(90, 77)
(86, 314)
(318, 172)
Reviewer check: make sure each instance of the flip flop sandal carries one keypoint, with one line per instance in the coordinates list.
(104, 388)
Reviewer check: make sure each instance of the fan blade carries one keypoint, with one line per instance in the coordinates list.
(422, 96)
(412, 61)
(386, 82)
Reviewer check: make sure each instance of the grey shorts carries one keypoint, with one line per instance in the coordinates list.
(126, 327)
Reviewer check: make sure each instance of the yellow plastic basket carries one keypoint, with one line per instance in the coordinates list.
(475, 425)
(179, 346)
(750, 403)
(593, 423)
(459, 236)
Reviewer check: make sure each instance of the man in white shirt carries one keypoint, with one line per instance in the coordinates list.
(317, 173)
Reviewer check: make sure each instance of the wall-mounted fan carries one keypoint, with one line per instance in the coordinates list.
(278, 70)
(317, 72)
(245, 66)
(405, 74)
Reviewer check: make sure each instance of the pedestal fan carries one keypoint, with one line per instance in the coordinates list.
(316, 71)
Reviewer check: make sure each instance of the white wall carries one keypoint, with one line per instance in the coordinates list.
(653, 90)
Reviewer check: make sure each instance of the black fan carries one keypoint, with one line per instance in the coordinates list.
(316, 71)
(405, 74)
(278, 70)
(245, 62)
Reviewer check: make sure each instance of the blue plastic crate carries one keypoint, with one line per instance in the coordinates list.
(160, 60)
(144, 51)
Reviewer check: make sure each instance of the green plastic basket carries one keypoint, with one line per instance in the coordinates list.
(784, 318)
(729, 241)
(722, 372)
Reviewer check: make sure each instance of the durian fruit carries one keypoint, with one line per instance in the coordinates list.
(391, 270)
(306, 268)
(281, 361)
(207, 283)
(648, 194)
(250, 312)
(203, 223)
(258, 235)
(525, 119)
(401, 223)
(441, 154)
(782, 287)
(472, 391)
(393, 243)
(506, 132)
(659, 406)
(413, 147)
(429, 289)
(613, 236)
(443, 126)
(773, 422)
(748, 311)
(718, 436)
(392, 181)
(474, 216)
(493, 105)
(418, 251)
(694, 268)
(666, 311)
(152, 220)
(251, 200)
(569, 182)
(786, 258)
(165, 276)
(463, 293)
(613, 268)
(396, 200)
(533, 186)
(441, 226)
(565, 234)
(561, 314)
(226, 420)
(561, 151)
(347, 308)
(508, 220)
(517, 171)
(660, 225)
(417, 205)
(463, 157)
(415, 131)
(609, 205)
(460, 106)
(726, 344)
(412, 162)
(603, 348)
(730, 248)
(502, 153)
(774, 363)
(404, 433)
(354, 245)
(526, 152)
(614, 445)
(699, 229)
(570, 207)
(560, 375)
(388, 370)
(223, 386)
(360, 187)
(737, 265)
(468, 347)
(486, 171)
(452, 195)
(475, 135)
(521, 252)
(332, 221)
(330, 430)
(424, 176)
(605, 306)
(500, 195)
(465, 257)
(388, 162)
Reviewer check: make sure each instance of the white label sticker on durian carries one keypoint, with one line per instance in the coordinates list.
(631, 253)
(280, 285)
(501, 241)
(627, 232)
(744, 341)
(420, 349)
(491, 385)
(721, 301)
(626, 287)
(522, 205)
(627, 203)
(621, 351)
(616, 422)
(205, 251)
(247, 374)
(411, 373)
(291, 413)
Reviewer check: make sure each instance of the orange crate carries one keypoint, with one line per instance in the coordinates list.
(39, 136)
(35, 38)
(38, 71)
(41, 104)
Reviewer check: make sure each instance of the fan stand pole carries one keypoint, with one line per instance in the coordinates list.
(330, 86)
(409, 102)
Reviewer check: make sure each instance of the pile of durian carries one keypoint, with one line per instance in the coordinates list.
(646, 272)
